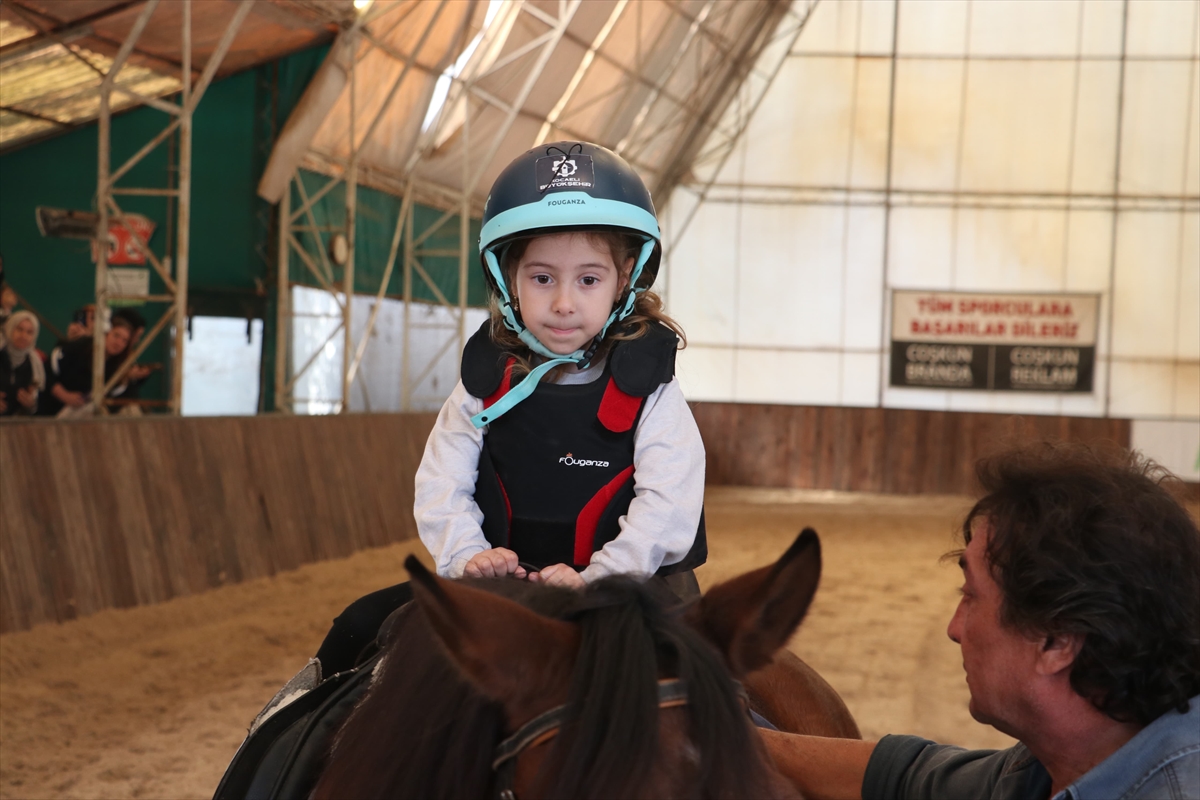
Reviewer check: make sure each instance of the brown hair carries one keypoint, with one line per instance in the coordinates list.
(647, 309)
(1089, 541)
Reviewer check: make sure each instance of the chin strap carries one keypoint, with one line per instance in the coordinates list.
(580, 358)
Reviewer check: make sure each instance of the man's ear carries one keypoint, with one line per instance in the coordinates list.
(1058, 653)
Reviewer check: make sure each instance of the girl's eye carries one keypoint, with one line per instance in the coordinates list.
(590, 280)
(541, 279)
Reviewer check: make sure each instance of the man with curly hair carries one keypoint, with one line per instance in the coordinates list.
(1079, 626)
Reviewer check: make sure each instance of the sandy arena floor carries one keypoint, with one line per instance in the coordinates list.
(152, 702)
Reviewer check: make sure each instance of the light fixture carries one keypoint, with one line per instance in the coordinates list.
(361, 6)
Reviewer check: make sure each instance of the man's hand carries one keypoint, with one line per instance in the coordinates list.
(559, 575)
(137, 372)
(494, 563)
(28, 398)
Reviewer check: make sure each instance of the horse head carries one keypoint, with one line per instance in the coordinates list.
(610, 692)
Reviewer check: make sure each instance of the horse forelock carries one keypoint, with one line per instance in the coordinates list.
(631, 636)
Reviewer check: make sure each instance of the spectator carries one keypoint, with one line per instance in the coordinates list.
(71, 370)
(81, 323)
(138, 373)
(22, 375)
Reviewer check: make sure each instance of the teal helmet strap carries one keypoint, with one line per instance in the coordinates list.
(580, 358)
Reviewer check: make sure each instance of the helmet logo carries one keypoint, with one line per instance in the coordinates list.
(565, 172)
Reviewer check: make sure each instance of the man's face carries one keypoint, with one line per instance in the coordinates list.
(999, 661)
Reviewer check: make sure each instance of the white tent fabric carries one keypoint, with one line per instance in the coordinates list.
(1048, 145)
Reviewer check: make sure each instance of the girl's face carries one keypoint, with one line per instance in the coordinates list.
(566, 287)
(23, 334)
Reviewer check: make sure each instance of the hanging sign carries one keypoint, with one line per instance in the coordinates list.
(121, 247)
(127, 285)
(994, 342)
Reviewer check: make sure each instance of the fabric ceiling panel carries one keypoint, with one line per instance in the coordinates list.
(433, 34)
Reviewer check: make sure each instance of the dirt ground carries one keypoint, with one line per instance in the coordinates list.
(153, 702)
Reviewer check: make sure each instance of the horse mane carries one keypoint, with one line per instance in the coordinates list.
(423, 731)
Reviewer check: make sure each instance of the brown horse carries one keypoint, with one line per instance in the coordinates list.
(609, 692)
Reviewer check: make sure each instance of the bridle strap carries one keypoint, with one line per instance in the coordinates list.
(672, 693)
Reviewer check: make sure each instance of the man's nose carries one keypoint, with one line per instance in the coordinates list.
(954, 629)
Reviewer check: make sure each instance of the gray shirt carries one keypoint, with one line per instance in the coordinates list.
(1161, 761)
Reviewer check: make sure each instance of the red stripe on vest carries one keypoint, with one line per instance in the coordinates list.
(505, 385)
(507, 511)
(618, 411)
(589, 518)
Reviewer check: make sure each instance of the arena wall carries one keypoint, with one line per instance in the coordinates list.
(122, 512)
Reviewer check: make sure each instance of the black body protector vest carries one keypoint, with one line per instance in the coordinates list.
(556, 471)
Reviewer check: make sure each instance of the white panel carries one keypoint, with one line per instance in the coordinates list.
(1102, 21)
(801, 132)
(1005, 402)
(938, 28)
(863, 302)
(860, 379)
(876, 33)
(220, 367)
(1160, 28)
(868, 168)
(769, 376)
(790, 281)
(1187, 391)
(1189, 289)
(1145, 285)
(1017, 129)
(832, 28)
(919, 248)
(1142, 389)
(1024, 28)
(1154, 129)
(1010, 250)
(1192, 160)
(928, 95)
(704, 273)
(1173, 444)
(1094, 151)
(927, 399)
(706, 373)
(1089, 248)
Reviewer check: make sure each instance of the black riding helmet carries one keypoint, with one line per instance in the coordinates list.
(568, 186)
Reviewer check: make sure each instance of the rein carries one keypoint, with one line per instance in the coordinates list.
(544, 727)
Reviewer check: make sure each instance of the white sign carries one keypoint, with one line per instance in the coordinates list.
(126, 281)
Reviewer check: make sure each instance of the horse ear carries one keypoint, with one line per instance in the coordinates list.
(511, 654)
(750, 617)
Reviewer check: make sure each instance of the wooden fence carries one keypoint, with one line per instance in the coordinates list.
(896, 451)
(122, 512)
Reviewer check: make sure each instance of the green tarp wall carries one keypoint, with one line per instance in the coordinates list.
(232, 261)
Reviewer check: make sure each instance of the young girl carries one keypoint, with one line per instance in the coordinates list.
(567, 451)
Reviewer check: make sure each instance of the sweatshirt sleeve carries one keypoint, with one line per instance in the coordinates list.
(448, 519)
(668, 474)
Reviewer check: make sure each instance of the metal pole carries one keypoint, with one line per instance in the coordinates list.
(184, 220)
(405, 355)
(348, 271)
(283, 300)
(102, 189)
(464, 222)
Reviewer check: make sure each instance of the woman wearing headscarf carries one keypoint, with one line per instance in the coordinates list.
(22, 375)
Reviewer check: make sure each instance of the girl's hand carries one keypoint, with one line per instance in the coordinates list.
(559, 575)
(494, 563)
(27, 398)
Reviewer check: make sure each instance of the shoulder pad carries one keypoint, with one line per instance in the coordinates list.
(482, 363)
(640, 366)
